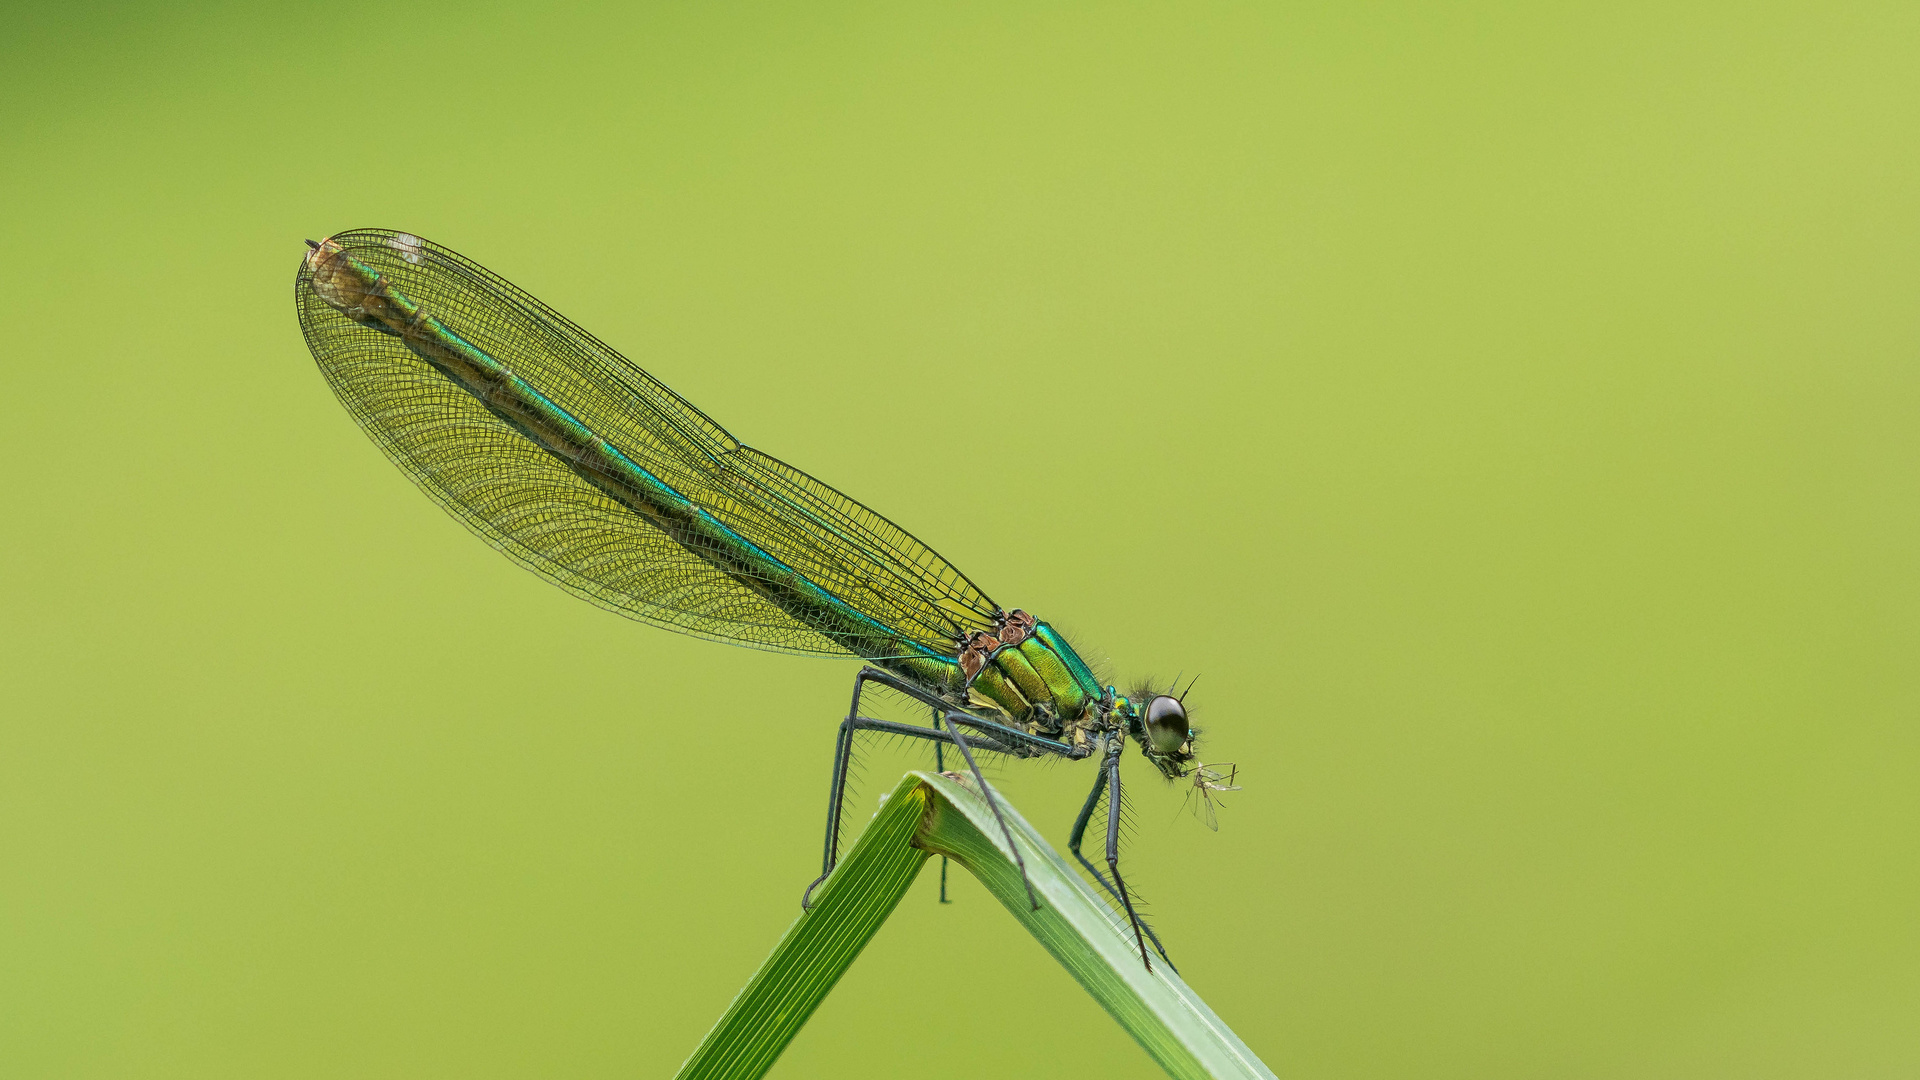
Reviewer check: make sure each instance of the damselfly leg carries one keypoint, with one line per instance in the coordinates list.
(990, 736)
(842, 758)
(1108, 782)
(1113, 854)
(940, 765)
(993, 804)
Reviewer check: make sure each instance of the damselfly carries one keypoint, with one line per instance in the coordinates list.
(578, 465)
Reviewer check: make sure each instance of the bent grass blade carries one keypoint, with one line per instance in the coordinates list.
(819, 947)
(927, 814)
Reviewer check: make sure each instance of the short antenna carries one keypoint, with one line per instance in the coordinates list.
(1182, 699)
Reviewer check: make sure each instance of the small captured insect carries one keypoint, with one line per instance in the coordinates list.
(578, 465)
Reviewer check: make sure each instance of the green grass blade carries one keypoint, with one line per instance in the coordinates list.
(1077, 926)
(817, 949)
(931, 813)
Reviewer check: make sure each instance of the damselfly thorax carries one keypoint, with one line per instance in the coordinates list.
(1026, 670)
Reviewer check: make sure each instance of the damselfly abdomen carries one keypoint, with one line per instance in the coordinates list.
(583, 468)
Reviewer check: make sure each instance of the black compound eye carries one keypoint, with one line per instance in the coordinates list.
(1166, 724)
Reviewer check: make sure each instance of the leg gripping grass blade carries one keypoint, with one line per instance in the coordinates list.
(931, 814)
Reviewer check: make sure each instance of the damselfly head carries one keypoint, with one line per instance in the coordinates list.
(1164, 729)
(1166, 721)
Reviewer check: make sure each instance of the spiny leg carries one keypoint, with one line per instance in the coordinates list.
(836, 788)
(1113, 853)
(998, 737)
(1080, 826)
(1079, 833)
(848, 727)
(940, 765)
(843, 758)
(993, 804)
(842, 752)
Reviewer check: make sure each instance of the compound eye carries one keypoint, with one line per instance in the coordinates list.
(1166, 724)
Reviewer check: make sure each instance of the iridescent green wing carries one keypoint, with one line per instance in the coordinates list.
(881, 592)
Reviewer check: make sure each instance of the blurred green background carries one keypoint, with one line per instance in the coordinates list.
(1510, 413)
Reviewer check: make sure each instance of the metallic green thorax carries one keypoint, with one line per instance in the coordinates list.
(1041, 674)
(1028, 671)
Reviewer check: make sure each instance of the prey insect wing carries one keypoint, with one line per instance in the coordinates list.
(1208, 784)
